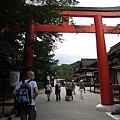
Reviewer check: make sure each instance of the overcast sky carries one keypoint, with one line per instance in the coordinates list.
(83, 45)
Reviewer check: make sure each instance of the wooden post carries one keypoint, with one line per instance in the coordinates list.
(103, 70)
(28, 50)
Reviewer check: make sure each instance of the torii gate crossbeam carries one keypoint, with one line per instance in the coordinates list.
(66, 28)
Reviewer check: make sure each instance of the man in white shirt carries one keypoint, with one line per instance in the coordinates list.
(30, 109)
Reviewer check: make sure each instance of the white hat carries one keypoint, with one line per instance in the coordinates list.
(73, 80)
(81, 80)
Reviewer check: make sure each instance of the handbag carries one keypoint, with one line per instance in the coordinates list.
(45, 91)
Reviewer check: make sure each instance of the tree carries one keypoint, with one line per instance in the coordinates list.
(64, 71)
(21, 12)
(43, 60)
(17, 14)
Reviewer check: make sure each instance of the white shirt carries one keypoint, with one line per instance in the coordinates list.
(33, 85)
(48, 87)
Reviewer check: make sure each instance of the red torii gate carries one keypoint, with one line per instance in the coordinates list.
(98, 28)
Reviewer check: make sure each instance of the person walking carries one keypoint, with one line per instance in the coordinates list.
(58, 90)
(48, 90)
(28, 112)
(81, 89)
(68, 90)
(73, 87)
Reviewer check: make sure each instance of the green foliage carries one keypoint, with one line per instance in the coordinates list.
(64, 71)
(76, 64)
(21, 12)
(43, 60)
(17, 14)
(11, 47)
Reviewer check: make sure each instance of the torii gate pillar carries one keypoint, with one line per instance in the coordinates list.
(28, 50)
(104, 79)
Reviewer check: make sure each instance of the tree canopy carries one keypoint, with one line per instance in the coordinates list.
(64, 71)
(20, 13)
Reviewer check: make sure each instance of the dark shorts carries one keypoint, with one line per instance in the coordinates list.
(48, 92)
(69, 92)
(28, 110)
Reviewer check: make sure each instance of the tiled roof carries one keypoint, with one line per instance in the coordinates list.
(114, 48)
(85, 62)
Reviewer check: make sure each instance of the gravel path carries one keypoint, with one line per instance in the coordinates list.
(72, 110)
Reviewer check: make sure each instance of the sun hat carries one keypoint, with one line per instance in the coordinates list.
(81, 80)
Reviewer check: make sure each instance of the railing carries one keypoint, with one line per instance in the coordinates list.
(116, 93)
(115, 89)
(94, 88)
(6, 100)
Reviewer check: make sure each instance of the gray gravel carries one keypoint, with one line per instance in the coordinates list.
(72, 110)
(75, 109)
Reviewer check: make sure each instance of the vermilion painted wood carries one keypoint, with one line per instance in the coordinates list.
(66, 28)
(28, 49)
(87, 29)
(115, 86)
(91, 14)
(71, 29)
(104, 77)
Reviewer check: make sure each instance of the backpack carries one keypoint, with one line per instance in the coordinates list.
(73, 85)
(24, 93)
(56, 86)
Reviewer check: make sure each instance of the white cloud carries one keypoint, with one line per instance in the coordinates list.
(66, 59)
(77, 46)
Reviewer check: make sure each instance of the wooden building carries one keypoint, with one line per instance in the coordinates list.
(85, 73)
(88, 70)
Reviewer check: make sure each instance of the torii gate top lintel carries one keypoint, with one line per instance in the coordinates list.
(104, 12)
(97, 9)
(107, 12)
